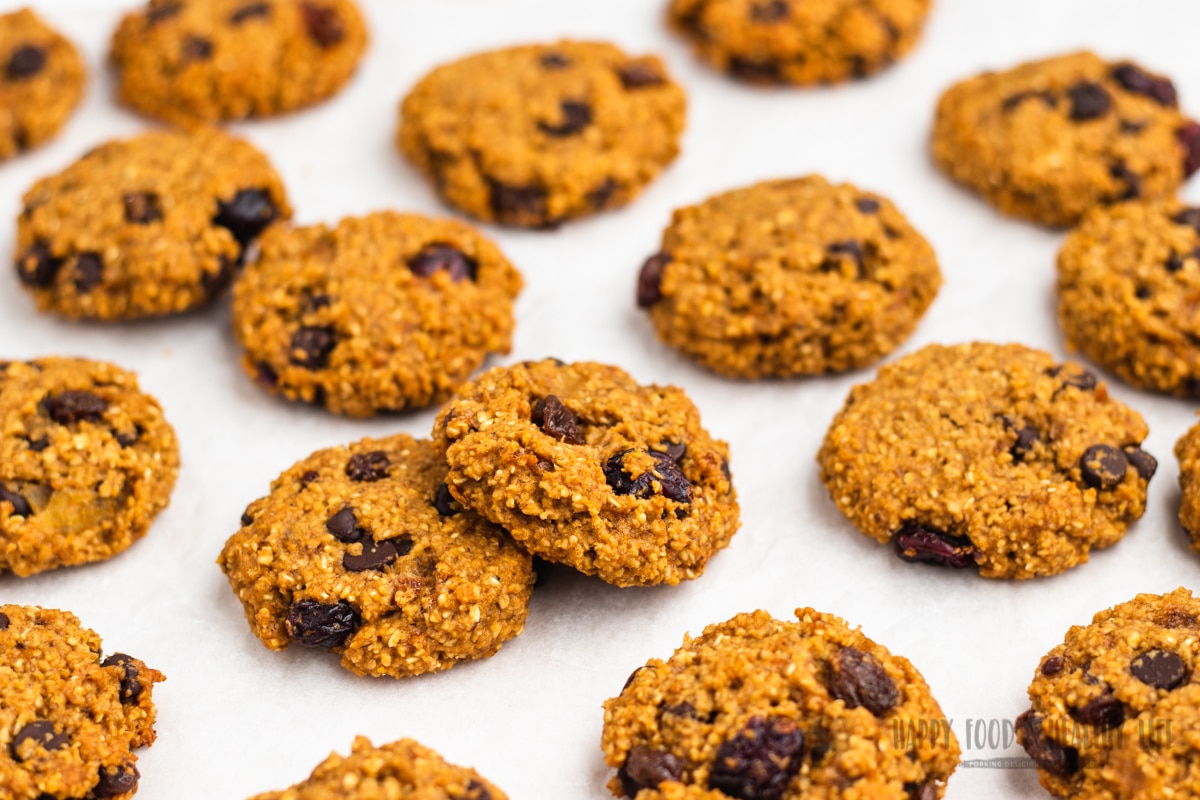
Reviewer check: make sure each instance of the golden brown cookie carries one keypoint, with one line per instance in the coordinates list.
(536, 135)
(86, 463)
(69, 716)
(788, 277)
(147, 226)
(759, 709)
(585, 467)
(1187, 451)
(188, 61)
(361, 550)
(799, 41)
(1114, 707)
(1047, 140)
(987, 456)
(381, 313)
(41, 81)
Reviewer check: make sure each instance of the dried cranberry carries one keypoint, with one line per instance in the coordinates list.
(1135, 80)
(915, 543)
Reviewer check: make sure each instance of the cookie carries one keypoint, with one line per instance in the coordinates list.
(402, 769)
(381, 313)
(1113, 707)
(41, 81)
(987, 456)
(69, 715)
(86, 463)
(799, 41)
(533, 136)
(1127, 275)
(585, 467)
(145, 227)
(759, 709)
(189, 61)
(788, 277)
(1187, 451)
(361, 550)
(1047, 140)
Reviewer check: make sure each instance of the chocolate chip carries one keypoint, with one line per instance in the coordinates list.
(89, 271)
(576, 115)
(921, 791)
(1102, 467)
(131, 686)
(129, 438)
(1088, 101)
(1133, 127)
(445, 257)
(247, 214)
(1049, 755)
(115, 781)
(555, 419)
(1132, 181)
(20, 505)
(157, 13)
(377, 555)
(915, 543)
(250, 11)
(602, 194)
(142, 208)
(673, 483)
(197, 48)
(344, 526)
(315, 624)
(215, 283)
(309, 477)
(759, 761)
(518, 205)
(649, 282)
(311, 346)
(25, 62)
(368, 467)
(4, 621)
(444, 502)
(646, 767)
(674, 451)
(1161, 669)
(867, 205)
(554, 60)
(1026, 438)
(1053, 665)
(40, 731)
(849, 249)
(1012, 101)
(769, 11)
(1173, 263)
(74, 405)
(636, 75)
(1189, 217)
(323, 24)
(1143, 463)
(1103, 712)
(754, 71)
(858, 679)
(1135, 80)
(36, 267)
(1073, 375)
(265, 374)
(1189, 138)
(247, 518)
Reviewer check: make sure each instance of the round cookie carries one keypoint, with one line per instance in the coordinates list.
(585, 467)
(1114, 707)
(188, 61)
(371, 558)
(1187, 451)
(69, 716)
(382, 313)
(536, 135)
(145, 227)
(86, 463)
(41, 81)
(1047, 140)
(799, 41)
(1127, 276)
(402, 769)
(788, 277)
(759, 709)
(990, 456)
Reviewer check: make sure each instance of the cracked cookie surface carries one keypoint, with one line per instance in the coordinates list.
(788, 277)
(989, 456)
(41, 80)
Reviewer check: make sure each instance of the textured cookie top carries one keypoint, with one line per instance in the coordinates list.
(188, 61)
(41, 81)
(759, 709)
(361, 550)
(1128, 276)
(799, 41)
(535, 135)
(987, 455)
(1048, 140)
(788, 277)
(1114, 707)
(69, 716)
(381, 313)
(585, 467)
(145, 227)
(86, 462)
(402, 769)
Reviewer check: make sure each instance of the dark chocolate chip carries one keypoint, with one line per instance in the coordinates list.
(445, 257)
(649, 282)
(1132, 181)
(1102, 466)
(674, 451)
(315, 624)
(849, 249)
(555, 419)
(197, 48)
(867, 205)
(554, 60)
(247, 518)
(40, 731)
(74, 405)
(518, 204)
(265, 374)
(1142, 292)
(25, 62)
(368, 467)
(311, 346)
(858, 679)
(769, 11)
(1049, 755)
(4, 621)
(88, 271)
(915, 543)
(323, 24)
(1073, 375)
(646, 767)
(576, 115)
(759, 761)
(1161, 669)
(1135, 80)
(444, 502)
(37, 267)
(1173, 263)
(754, 71)
(215, 283)
(1189, 217)
(250, 11)
(142, 208)
(1189, 138)
(1053, 665)
(20, 505)
(1012, 101)
(1026, 438)
(600, 196)
(673, 483)
(309, 477)
(247, 214)
(1144, 463)
(344, 526)
(131, 686)
(636, 75)
(116, 781)
(1088, 101)
(1103, 712)
(377, 555)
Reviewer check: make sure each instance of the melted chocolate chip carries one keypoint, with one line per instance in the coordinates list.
(131, 686)
(1135, 80)
(36, 267)
(343, 525)
(858, 679)
(1049, 755)
(20, 505)
(40, 731)
(1161, 669)
(88, 272)
(646, 767)
(25, 62)
(1102, 467)
(246, 214)
(673, 483)
(916, 543)
(377, 555)
(759, 761)
(1088, 101)
(74, 405)
(323, 24)
(444, 502)
(576, 115)
(311, 346)
(368, 467)
(448, 258)
(116, 781)
(1026, 438)
(674, 451)
(555, 419)
(315, 624)
(142, 208)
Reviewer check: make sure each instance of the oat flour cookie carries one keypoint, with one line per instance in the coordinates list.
(86, 463)
(989, 456)
(536, 135)
(145, 227)
(1115, 706)
(188, 61)
(799, 41)
(788, 277)
(361, 550)
(41, 81)
(1047, 140)
(381, 313)
(69, 715)
(755, 708)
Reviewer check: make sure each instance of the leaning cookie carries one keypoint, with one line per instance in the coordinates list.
(371, 558)
(189, 61)
(145, 227)
(69, 716)
(788, 277)
(381, 313)
(1114, 706)
(761, 708)
(86, 463)
(585, 467)
(1047, 140)
(536, 135)
(987, 456)
(41, 81)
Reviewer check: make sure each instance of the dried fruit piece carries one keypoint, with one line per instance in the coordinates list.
(552, 416)
(649, 284)
(311, 347)
(25, 62)
(315, 624)
(74, 405)
(142, 208)
(576, 115)
(246, 214)
(646, 767)
(1088, 101)
(1105, 711)
(1137, 81)
(448, 258)
(759, 761)
(369, 466)
(915, 543)
(116, 781)
(858, 679)
(1048, 754)
(673, 483)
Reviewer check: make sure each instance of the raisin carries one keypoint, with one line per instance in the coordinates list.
(89, 271)
(444, 502)
(323, 24)
(1088, 101)
(858, 679)
(576, 115)
(311, 347)
(1012, 101)
(673, 483)
(754, 71)
(867, 205)
(649, 282)
(848, 249)
(1104, 711)
(250, 11)
(915, 543)
(1133, 182)
(37, 267)
(445, 257)
(640, 75)
(142, 208)
(368, 467)
(1049, 755)
(74, 405)
(116, 781)
(769, 11)
(646, 768)
(1053, 665)
(1073, 375)
(197, 48)
(759, 761)
(315, 624)
(25, 62)
(246, 214)
(1135, 80)
(20, 505)
(554, 60)
(1189, 138)
(518, 205)
(552, 416)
